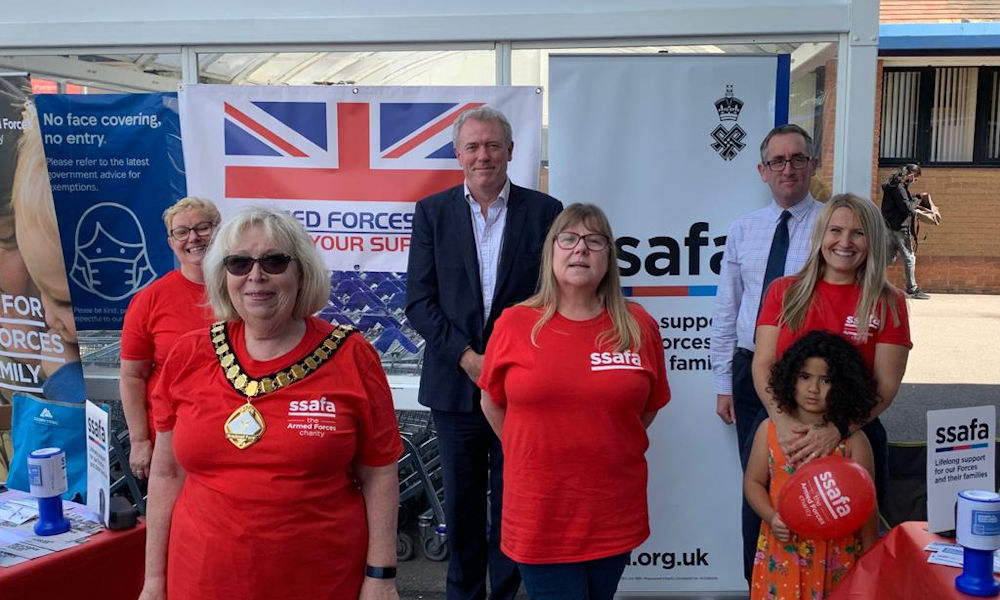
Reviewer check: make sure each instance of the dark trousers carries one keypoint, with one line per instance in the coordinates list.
(745, 402)
(749, 411)
(471, 465)
(587, 580)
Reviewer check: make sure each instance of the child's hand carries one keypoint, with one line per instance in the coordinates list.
(779, 528)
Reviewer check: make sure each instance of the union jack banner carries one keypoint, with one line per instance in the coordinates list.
(348, 162)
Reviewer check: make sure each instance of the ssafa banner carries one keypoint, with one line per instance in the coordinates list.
(38, 344)
(668, 147)
(349, 162)
(115, 165)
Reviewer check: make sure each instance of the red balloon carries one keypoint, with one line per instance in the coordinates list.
(828, 498)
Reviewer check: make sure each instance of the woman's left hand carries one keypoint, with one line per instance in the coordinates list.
(816, 443)
(378, 589)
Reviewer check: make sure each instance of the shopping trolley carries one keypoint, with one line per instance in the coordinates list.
(420, 488)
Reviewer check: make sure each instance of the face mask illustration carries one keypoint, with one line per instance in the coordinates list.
(109, 257)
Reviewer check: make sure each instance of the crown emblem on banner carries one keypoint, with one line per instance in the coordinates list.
(728, 106)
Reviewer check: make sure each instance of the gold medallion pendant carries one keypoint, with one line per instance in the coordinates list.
(245, 426)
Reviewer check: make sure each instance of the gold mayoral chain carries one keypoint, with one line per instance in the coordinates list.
(245, 426)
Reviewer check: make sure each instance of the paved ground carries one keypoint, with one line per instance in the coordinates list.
(955, 361)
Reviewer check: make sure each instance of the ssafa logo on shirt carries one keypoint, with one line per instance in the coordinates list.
(313, 417)
(851, 326)
(615, 361)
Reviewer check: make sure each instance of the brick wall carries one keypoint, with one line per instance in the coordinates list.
(938, 11)
(962, 254)
(829, 116)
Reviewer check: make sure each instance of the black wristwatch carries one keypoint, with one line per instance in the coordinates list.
(380, 572)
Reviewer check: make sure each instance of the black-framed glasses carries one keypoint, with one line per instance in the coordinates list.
(239, 264)
(202, 229)
(568, 240)
(798, 162)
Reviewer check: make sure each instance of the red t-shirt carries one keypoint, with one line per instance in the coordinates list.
(574, 465)
(156, 317)
(283, 518)
(832, 309)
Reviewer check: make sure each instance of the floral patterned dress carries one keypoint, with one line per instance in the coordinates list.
(801, 568)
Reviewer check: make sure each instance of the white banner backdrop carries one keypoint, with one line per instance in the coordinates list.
(349, 162)
(668, 146)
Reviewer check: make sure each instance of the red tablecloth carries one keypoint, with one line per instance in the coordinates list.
(109, 566)
(897, 569)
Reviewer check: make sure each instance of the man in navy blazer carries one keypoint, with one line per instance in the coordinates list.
(475, 250)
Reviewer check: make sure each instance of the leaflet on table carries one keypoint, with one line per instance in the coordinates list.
(9, 560)
(70, 509)
(952, 555)
(15, 513)
(18, 541)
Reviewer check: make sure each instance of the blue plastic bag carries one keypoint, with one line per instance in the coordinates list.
(39, 423)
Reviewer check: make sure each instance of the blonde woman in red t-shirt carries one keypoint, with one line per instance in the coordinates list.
(844, 277)
(158, 315)
(571, 379)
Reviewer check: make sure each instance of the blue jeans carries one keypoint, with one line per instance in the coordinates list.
(588, 580)
(901, 243)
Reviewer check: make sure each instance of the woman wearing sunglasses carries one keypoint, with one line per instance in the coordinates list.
(274, 471)
(571, 379)
(158, 315)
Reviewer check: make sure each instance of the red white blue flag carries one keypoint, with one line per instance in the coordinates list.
(349, 165)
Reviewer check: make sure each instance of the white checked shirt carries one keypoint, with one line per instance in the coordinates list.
(742, 276)
(489, 238)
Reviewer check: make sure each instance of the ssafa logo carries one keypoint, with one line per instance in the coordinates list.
(728, 142)
(359, 151)
(851, 327)
(45, 414)
(615, 361)
(836, 502)
(313, 417)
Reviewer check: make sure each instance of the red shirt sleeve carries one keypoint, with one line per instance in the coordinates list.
(137, 340)
(652, 354)
(495, 361)
(770, 310)
(162, 401)
(897, 334)
(379, 442)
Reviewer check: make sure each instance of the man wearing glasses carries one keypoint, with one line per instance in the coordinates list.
(475, 251)
(762, 245)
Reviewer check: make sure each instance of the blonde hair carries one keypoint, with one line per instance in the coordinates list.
(31, 194)
(188, 203)
(624, 331)
(283, 230)
(870, 275)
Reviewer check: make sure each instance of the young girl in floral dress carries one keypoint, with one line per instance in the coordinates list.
(821, 378)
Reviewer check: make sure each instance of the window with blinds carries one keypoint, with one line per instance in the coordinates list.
(991, 125)
(900, 93)
(953, 114)
(940, 115)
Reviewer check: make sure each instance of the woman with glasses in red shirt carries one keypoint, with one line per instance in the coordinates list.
(158, 315)
(571, 379)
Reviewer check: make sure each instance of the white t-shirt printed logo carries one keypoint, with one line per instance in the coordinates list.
(313, 417)
(851, 327)
(615, 361)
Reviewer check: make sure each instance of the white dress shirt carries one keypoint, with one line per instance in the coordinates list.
(744, 262)
(489, 239)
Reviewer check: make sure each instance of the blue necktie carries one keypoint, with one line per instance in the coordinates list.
(776, 258)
